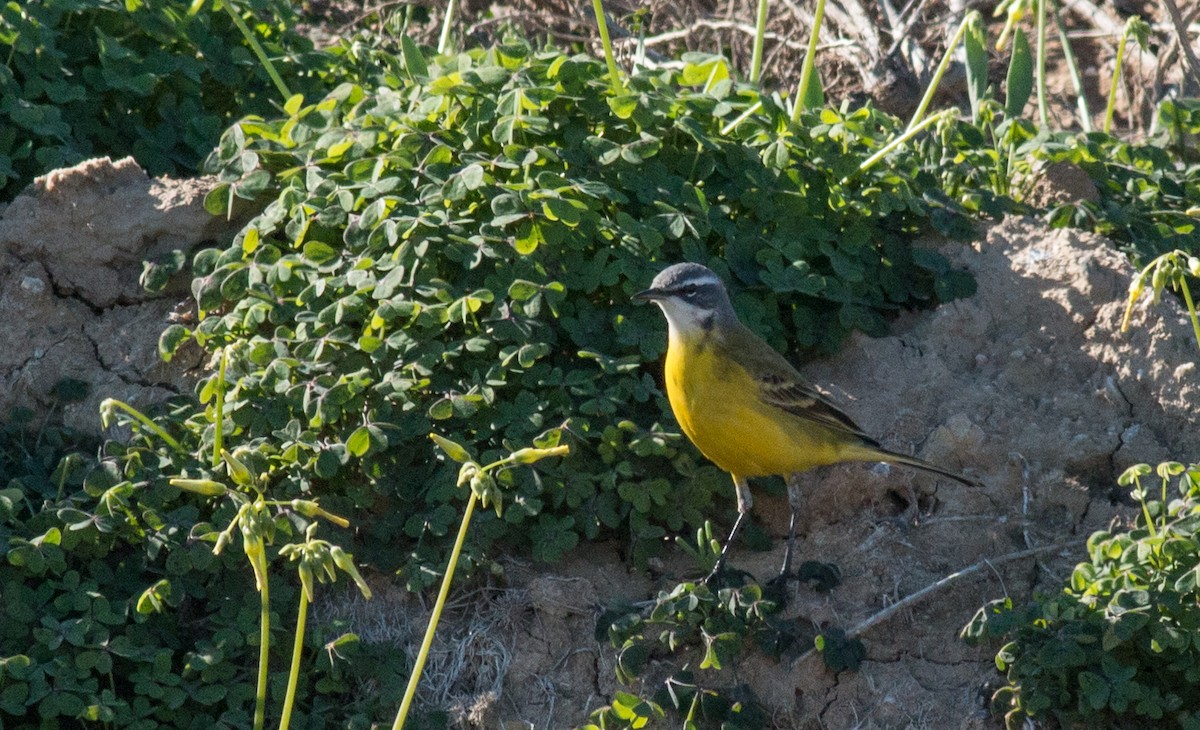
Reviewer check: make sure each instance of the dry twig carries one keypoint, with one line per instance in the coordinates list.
(1181, 37)
(913, 598)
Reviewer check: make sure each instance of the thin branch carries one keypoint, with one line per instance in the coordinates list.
(913, 598)
(1185, 44)
(907, 19)
(675, 35)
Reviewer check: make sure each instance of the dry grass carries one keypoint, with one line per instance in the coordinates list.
(471, 650)
(884, 50)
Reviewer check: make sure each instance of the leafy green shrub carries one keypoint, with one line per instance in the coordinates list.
(156, 80)
(93, 550)
(692, 624)
(1149, 192)
(711, 627)
(1118, 646)
(459, 247)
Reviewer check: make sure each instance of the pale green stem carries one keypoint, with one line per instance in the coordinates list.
(264, 648)
(1191, 307)
(219, 426)
(937, 75)
(1163, 504)
(1043, 110)
(297, 650)
(1012, 159)
(614, 76)
(258, 51)
(908, 134)
(1145, 509)
(444, 39)
(142, 419)
(806, 70)
(1112, 88)
(1085, 114)
(741, 118)
(434, 617)
(712, 77)
(760, 30)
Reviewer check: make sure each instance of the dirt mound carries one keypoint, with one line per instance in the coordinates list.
(1028, 386)
(71, 252)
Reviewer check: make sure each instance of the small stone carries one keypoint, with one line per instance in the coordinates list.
(33, 285)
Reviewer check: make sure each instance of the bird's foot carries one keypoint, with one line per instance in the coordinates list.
(821, 577)
(720, 577)
(776, 589)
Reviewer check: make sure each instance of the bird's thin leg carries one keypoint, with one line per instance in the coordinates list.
(796, 502)
(744, 502)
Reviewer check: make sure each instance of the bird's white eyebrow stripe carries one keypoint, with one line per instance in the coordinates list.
(700, 280)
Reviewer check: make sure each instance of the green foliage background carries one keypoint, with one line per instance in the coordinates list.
(450, 246)
(156, 80)
(1118, 646)
(445, 245)
(456, 249)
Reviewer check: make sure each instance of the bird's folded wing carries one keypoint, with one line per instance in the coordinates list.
(801, 399)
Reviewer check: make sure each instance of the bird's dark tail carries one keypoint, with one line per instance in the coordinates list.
(876, 453)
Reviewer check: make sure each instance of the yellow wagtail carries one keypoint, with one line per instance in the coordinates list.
(743, 405)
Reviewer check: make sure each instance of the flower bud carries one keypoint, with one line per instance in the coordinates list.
(207, 487)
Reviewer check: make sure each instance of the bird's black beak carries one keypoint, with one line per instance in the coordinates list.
(650, 295)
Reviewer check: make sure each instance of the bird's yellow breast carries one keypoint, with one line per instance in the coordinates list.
(717, 404)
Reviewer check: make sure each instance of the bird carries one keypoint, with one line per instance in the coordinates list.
(744, 406)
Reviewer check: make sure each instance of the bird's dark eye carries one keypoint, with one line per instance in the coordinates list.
(688, 291)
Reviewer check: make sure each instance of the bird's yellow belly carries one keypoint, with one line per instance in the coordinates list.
(718, 406)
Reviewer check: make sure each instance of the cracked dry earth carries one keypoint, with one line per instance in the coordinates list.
(71, 252)
(1028, 386)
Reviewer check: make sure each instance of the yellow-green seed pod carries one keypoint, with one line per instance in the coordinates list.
(306, 507)
(306, 580)
(530, 456)
(345, 561)
(222, 541)
(206, 487)
(237, 470)
(1158, 281)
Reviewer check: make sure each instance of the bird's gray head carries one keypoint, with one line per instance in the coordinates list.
(691, 296)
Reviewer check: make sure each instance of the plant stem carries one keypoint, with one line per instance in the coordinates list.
(434, 617)
(937, 75)
(258, 50)
(1163, 504)
(911, 599)
(264, 646)
(760, 30)
(614, 76)
(1191, 307)
(1112, 89)
(444, 39)
(1085, 114)
(297, 650)
(741, 118)
(145, 421)
(219, 426)
(908, 134)
(1043, 111)
(806, 70)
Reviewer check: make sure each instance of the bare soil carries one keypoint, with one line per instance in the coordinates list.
(71, 253)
